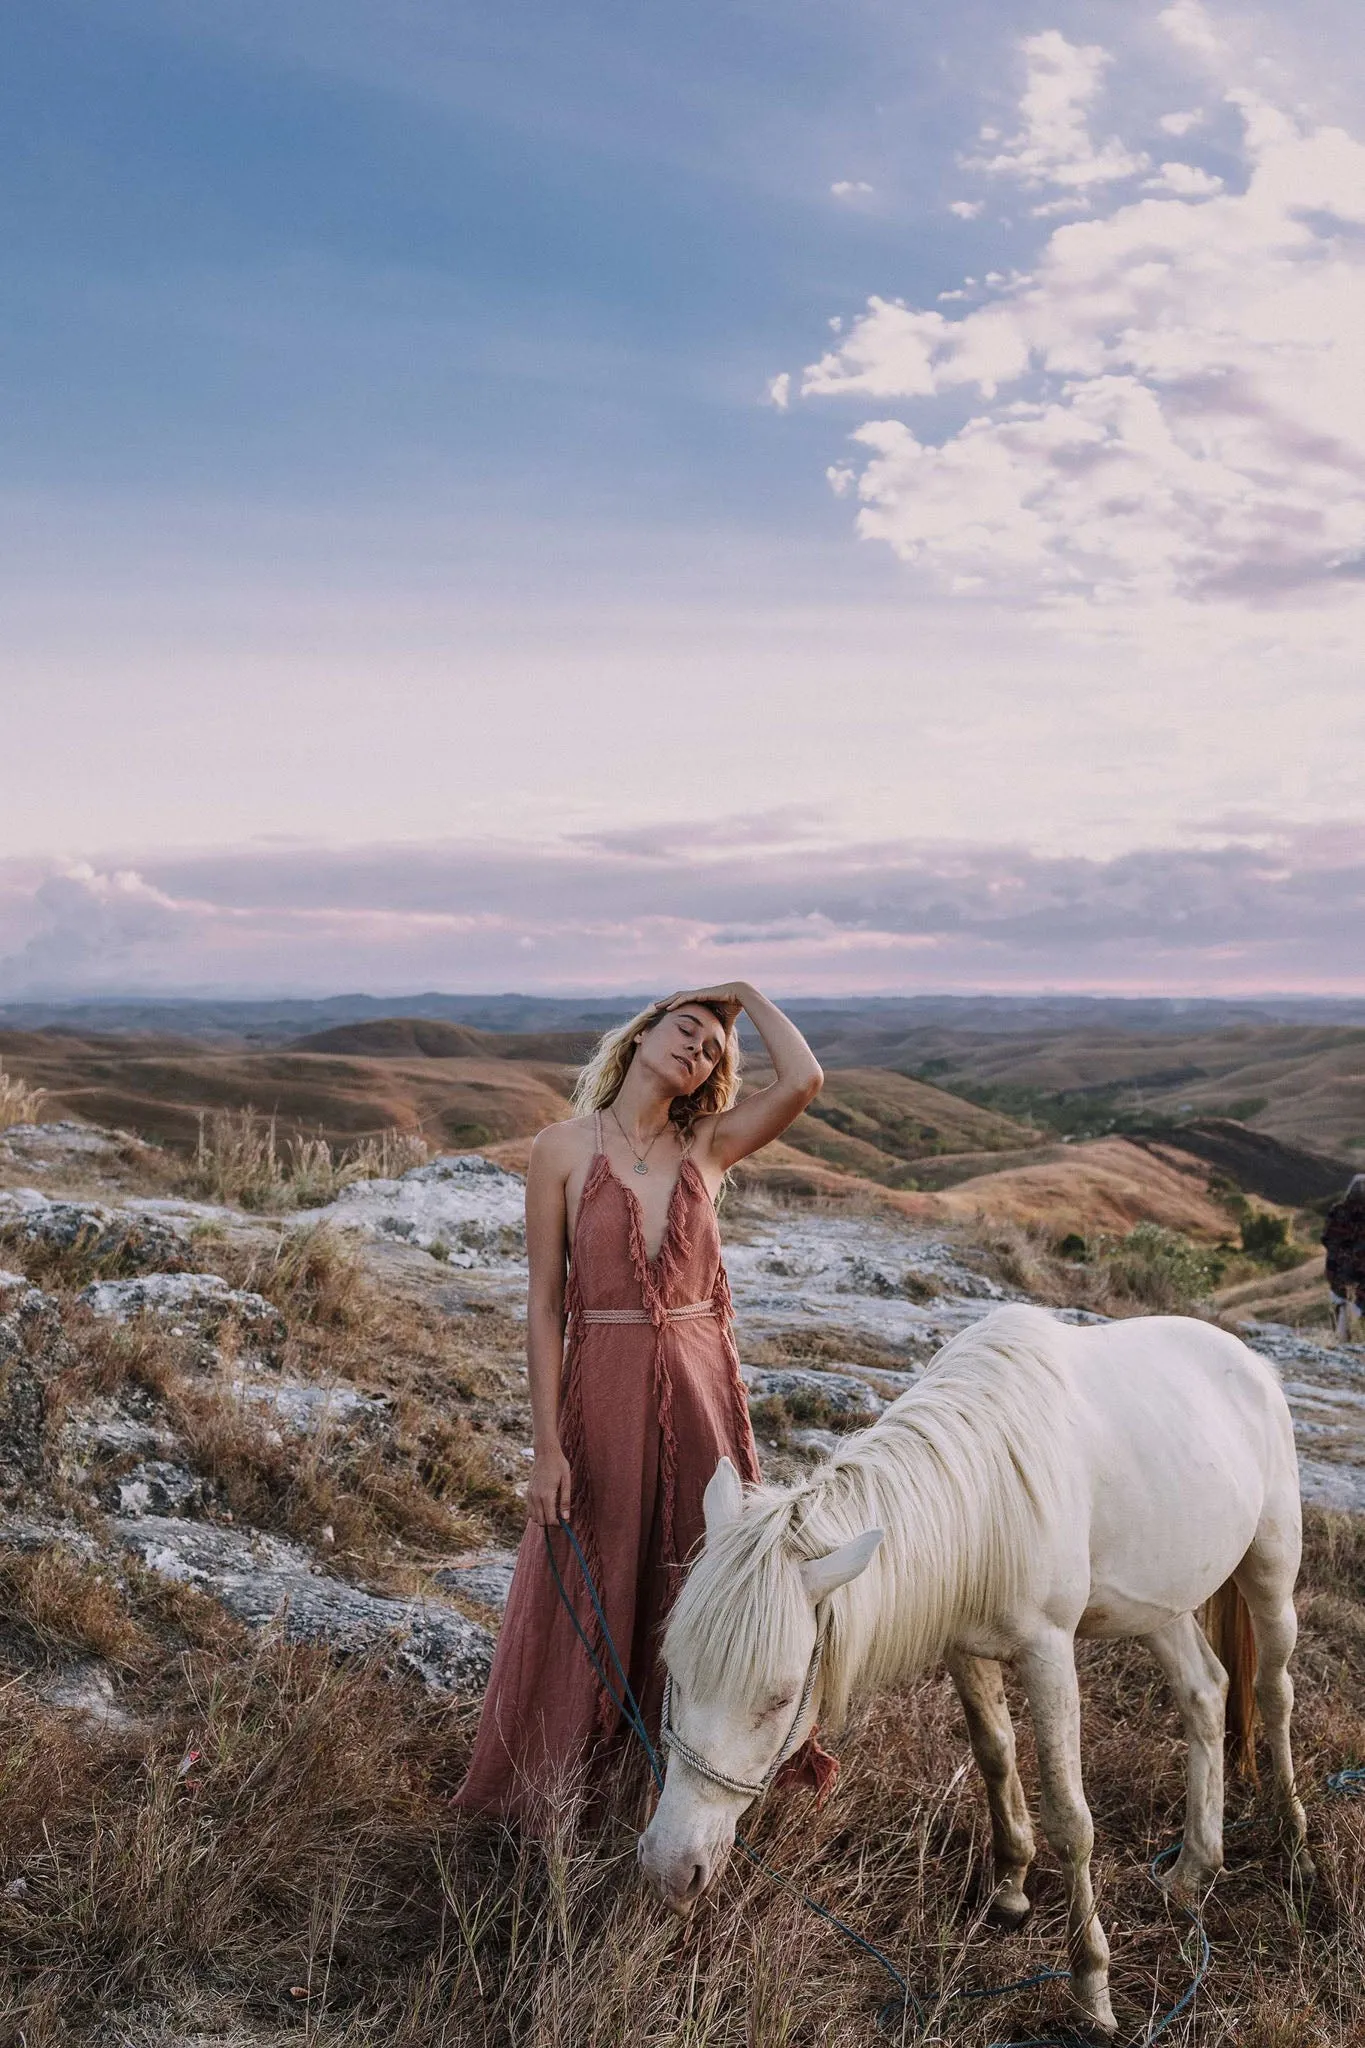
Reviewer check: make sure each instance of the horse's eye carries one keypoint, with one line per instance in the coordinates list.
(775, 1704)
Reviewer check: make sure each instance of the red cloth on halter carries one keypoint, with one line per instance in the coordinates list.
(810, 1765)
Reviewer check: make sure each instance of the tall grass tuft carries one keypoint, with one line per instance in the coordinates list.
(240, 1157)
(19, 1104)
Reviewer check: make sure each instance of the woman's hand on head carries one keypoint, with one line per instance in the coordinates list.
(549, 1496)
(728, 996)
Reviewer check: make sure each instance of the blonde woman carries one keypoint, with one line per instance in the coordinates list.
(631, 1414)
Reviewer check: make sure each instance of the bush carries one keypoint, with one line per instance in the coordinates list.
(1161, 1269)
(1266, 1237)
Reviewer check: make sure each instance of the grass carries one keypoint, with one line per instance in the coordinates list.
(239, 1157)
(19, 1104)
(306, 1874)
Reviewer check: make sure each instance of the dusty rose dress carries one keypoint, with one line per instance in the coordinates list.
(651, 1399)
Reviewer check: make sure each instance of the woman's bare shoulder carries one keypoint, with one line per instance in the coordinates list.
(560, 1147)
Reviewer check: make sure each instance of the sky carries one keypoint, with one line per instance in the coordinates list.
(580, 497)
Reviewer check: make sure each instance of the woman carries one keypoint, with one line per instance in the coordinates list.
(630, 1417)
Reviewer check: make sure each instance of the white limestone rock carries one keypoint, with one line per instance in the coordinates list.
(265, 1581)
(461, 1207)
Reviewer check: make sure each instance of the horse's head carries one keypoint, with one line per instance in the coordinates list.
(743, 1650)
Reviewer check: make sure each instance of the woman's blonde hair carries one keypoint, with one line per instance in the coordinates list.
(602, 1078)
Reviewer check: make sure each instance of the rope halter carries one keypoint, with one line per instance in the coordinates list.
(674, 1744)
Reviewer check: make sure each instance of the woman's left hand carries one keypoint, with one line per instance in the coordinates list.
(729, 996)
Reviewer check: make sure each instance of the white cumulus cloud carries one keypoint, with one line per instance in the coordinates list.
(1181, 123)
(850, 188)
(1053, 145)
(1170, 405)
(967, 209)
(1183, 181)
(1187, 22)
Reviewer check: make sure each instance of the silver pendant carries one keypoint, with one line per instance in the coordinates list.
(640, 1166)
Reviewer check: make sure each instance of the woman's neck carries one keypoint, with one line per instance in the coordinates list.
(641, 1111)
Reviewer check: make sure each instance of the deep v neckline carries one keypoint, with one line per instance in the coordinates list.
(652, 1263)
(670, 1214)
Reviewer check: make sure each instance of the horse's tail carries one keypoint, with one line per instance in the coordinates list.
(1226, 1621)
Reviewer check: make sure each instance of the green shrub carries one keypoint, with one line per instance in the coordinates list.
(1264, 1235)
(1160, 1268)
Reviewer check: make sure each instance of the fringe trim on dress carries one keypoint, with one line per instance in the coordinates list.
(572, 1442)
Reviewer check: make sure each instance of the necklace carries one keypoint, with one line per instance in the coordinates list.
(641, 1158)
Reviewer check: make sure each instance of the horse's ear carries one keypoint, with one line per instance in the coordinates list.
(723, 1498)
(823, 1574)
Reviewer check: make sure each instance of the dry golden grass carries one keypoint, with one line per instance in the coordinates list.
(240, 1157)
(19, 1104)
(309, 1850)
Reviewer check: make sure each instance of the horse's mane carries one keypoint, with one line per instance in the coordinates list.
(961, 1473)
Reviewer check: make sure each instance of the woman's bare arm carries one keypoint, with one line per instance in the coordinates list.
(548, 1497)
(798, 1078)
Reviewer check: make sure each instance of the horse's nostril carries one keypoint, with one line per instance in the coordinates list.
(697, 1882)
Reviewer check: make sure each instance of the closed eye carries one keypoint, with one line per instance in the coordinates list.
(779, 1702)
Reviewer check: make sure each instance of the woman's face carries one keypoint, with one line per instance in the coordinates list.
(683, 1048)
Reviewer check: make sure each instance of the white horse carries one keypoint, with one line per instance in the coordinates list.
(1039, 1482)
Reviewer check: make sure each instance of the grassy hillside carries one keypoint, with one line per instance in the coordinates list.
(1304, 1085)
(156, 1087)
(879, 1124)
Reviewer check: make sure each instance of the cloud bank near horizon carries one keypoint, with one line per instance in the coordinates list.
(1254, 906)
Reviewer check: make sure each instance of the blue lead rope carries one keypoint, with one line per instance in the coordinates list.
(908, 2005)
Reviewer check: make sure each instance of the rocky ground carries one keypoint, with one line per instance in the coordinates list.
(837, 1313)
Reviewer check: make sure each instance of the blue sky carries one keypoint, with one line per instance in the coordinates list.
(391, 483)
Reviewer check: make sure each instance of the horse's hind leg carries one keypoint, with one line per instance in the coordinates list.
(982, 1693)
(1200, 1686)
(1047, 1666)
(1265, 1578)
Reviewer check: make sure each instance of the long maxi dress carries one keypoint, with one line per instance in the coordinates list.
(651, 1399)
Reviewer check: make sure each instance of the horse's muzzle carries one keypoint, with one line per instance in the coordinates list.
(679, 1880)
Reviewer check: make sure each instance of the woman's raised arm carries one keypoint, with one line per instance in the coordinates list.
(798, 1078)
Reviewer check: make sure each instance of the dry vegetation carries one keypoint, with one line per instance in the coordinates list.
(303, 1869)
(240, 1157)
(19, 1104)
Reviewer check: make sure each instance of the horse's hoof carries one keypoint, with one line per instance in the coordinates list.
(1009, 1909)
(1187, 1881)
(1305, 1869)
(1093, 1993)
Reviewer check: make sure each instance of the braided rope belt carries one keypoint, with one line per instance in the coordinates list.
(688, 1313)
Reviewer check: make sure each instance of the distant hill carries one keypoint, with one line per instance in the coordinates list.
(430, 1038)
(849, 1031)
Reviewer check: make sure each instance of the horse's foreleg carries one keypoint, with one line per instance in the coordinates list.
(1200, 1686)
(1047, 1666)
(982, 1693)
